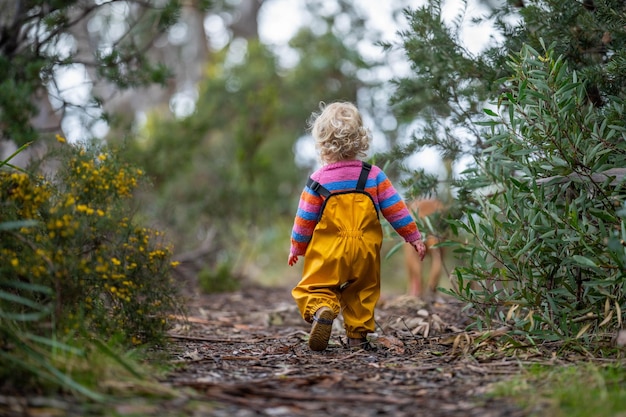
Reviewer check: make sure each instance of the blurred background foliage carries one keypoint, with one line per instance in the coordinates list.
(228, 169)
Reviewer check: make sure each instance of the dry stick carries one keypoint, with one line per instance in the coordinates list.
(237, 393)
(210, 339)
(192, 319)
(409, 330)
(379, 327)
(217, 340)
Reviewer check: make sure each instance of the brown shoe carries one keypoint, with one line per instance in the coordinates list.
(321, 328)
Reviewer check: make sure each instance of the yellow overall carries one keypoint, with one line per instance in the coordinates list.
(342, 263)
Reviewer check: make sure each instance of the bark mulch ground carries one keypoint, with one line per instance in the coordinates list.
(246, 353)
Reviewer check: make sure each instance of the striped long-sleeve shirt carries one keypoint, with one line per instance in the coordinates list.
(343, 176)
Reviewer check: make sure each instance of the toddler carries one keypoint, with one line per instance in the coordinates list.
(337, 229)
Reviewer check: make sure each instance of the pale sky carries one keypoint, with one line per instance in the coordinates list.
(288, 13)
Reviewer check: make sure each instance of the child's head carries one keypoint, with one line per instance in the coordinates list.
(339, 133)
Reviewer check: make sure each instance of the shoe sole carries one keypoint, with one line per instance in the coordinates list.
(320, 332)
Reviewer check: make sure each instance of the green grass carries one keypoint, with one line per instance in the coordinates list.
(581, 390)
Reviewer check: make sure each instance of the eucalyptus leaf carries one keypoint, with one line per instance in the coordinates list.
(584, 261)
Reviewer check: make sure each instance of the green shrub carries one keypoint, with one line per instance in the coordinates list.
(75, 261)
(545, 222)
(218, 279)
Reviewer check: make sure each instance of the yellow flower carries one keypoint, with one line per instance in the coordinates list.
(174, 264)
(15, 262)
(61, 139)
(102, 157)
(116, 261)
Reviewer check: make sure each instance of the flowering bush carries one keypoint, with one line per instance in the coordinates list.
(76, 235)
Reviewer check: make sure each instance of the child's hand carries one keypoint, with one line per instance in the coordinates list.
(420, 248)
(292, 259)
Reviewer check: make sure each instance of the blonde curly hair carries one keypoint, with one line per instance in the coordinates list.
(339, 133)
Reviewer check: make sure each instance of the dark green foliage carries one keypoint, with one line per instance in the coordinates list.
(543, 254)
(543, 233)
(449, 85)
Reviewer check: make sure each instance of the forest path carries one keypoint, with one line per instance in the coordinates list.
(245, 354)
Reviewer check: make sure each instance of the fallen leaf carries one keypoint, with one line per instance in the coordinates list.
(392, 343)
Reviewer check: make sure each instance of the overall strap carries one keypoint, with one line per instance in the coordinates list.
(365, 171)
(360, 185)
(317, 187)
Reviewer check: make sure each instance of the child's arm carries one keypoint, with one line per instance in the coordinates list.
(395, 210)
(306, 218)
